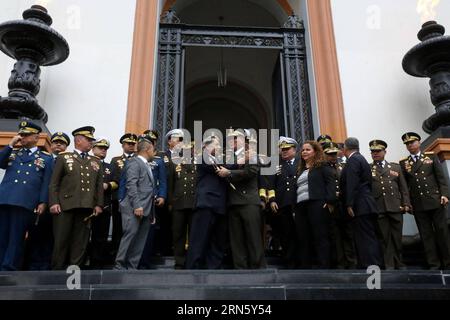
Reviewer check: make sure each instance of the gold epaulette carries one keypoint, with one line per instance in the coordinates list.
(94, 156)
(156, 157)
(429, 153)
(263, 193)
(64, 152)
(45, 152)
(271, 194)
(404, 159)
(113, 185)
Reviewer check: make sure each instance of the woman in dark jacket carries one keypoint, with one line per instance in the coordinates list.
(316, 194)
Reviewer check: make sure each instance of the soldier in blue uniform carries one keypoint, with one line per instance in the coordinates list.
(23, 192)
(39, 246)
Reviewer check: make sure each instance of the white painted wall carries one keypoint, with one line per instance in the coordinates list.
(91, 86)
(381, 101)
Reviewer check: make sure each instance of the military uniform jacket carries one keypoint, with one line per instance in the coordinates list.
(426, 181)
(26, 179)
(389, 187)
(108, 179)
(337, 171)
(283, 185)
(76, 183)
(184, 178)
(159, 170)
(117, 166)
(245, 180)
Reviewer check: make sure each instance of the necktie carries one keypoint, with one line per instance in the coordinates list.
(380, 164)
(83, 155)
(416, 158)
(28, 152)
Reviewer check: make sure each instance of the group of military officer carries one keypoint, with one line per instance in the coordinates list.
(52, 204)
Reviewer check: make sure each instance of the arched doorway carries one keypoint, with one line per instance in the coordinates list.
(243, 40)
(221, 108)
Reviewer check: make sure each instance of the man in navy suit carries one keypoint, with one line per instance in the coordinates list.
(356, 188)
(23, 192)
(208, 235)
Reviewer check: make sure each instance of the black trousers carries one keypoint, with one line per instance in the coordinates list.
(39, 245)
(368, 247)
(283, 228)
(100, 255)
(433, 230)
(313, 231)
(208, 240)
(181, 224)
(343, 250)
(117, 226)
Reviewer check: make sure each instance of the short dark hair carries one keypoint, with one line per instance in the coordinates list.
(143, 145)
(351, 143)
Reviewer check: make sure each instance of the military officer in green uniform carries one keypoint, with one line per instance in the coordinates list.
(245, 221)
(428, 190)
(183, 177)
(390, 191)
(343, 248)
(75, 196)
(128, 142)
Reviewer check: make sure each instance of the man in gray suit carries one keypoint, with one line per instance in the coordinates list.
(137, 206)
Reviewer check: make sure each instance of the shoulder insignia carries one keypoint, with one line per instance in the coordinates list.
(156, 157)
(46, 153)
(64, 152)
(404, 159)
(429, 153)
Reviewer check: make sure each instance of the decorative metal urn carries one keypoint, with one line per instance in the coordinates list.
(431, 59)
(33, 43)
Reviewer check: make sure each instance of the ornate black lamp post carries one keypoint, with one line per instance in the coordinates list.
(33, 43)
(431, 59)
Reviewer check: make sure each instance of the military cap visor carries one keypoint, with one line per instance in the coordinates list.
(61, 137)
(377, 145)
(410, 136)
(27, 127)
(175, 133)
(129, 138)
(330, 148)
(324, 139)
(87, 132)
(102, 143)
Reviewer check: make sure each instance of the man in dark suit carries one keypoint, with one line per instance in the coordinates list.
(429, 197)
(137, 207)
(392, 197)
(208, 237)
(23, 192)
(283, 198)
(356, 188)
(75, 196)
